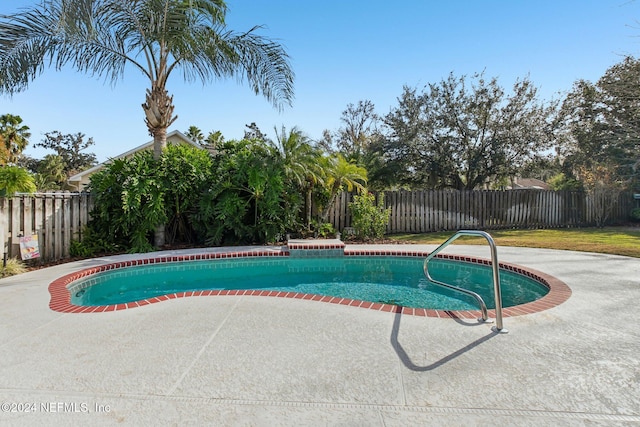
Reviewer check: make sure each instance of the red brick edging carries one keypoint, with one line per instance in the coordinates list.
(60, 301)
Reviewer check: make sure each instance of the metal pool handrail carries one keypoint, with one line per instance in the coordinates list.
(496, 276)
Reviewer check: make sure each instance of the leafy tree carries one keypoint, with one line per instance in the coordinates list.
(463, 134)
(14, 137)
(70, 148)
(14, 179)
(601, 126)
(358, 139)
(326, 142)
(359, 127)
(561, 182)
(253, 132)
(620, 94)
(156, 37)
(602, 136)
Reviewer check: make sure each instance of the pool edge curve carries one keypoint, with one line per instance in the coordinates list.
(60, 300)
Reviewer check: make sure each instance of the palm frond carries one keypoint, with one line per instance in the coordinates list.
(100, 37)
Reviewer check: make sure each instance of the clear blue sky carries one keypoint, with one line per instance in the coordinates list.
(344, 51)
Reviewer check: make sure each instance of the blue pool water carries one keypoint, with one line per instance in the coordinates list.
(391, 280)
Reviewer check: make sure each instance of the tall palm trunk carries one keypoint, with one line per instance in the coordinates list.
(158, 110)
(308, 207)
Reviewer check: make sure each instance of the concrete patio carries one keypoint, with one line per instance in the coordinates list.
(247, 360)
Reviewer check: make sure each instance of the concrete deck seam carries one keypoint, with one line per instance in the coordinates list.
(18, 337)
(202, 350)
(592, 416)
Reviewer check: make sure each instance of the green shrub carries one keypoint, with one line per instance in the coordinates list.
(133, 196)
(246, 200)
(561, 182)
(237, 196)
(326, 230)
(369, 220)
(129, 202)
(635, 215)
(92, 244)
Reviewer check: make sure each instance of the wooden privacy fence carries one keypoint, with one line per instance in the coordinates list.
(59, 218)
(56, 218)
(421, 211)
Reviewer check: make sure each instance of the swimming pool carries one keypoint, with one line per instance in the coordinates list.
(389, 280)
(398, 273)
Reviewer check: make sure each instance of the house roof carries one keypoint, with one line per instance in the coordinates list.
(533, 183)
(78, 177)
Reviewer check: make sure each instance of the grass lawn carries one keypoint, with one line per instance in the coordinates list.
(609, 240)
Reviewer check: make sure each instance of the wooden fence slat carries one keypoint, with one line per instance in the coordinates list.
(66, 225)
(75, 217)
(28, 226)
(38, 225)
(4, 227)
(14, 224)
(420, 211)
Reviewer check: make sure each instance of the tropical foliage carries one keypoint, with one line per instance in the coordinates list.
(128, 202)
(14, 179)
(133, 196)
(51, 174)
(236, 196)
(246, 192)
(247, 200)
(300, 164)
(14, 137)
(341, 175)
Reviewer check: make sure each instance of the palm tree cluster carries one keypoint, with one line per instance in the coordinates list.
(306, 166)
(14, 137)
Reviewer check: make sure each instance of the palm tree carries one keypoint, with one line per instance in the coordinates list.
(301, 163)
(15, 137)
(342, 175)
(195, 134)
(156, 37)
(214, 141)
(51, 173)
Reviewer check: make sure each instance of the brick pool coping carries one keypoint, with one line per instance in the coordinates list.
(60, 301)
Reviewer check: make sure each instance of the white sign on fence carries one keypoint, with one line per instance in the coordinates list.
(29, 248)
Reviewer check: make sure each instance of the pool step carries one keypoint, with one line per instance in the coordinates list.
(315, 248)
